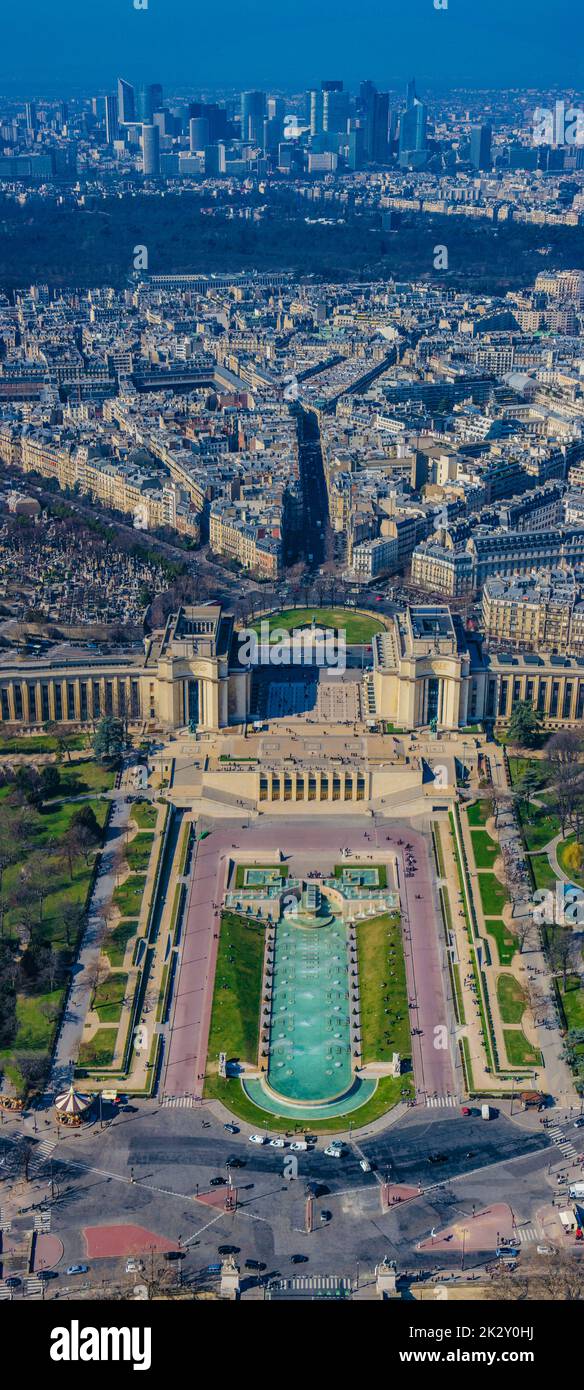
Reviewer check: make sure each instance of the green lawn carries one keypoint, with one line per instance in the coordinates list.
(543, 874)
(144, 815)
(388, 1093)
(512, 1001)
(485, 850)
(383, 991)
(480, 812)
(41, 743)
(35, 1029)
(506, 942)
(235, 1015)
(519, 1051)
(358, 627)
(114, 946)
(99, 1050)
(573, 1001)
(127, 897)
(493, 895)
(109, 997)
(539, 826)
(85, 776)
(138, 851)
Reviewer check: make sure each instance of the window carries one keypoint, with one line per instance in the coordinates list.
(567, 703)
(541, 694)
(5, 705)
(554, 699)
(58, 701)
(503, 697)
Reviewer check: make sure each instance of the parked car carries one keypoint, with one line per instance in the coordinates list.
(228, 1249)
(217, 1182)
(258, 1139)
(365, 1165)
(278, 1143)
(231, 1129)
(13, 1282)
(78, 1269)
(254, 1264)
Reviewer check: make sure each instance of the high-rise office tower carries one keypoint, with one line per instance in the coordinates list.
(379, 128)
(273, 134)
(412, 126)
(253, 110)
(150, 151)
(480, 146)
(316, 99)
(126, 104)
(335, 106)
(111, 118)
(215, 115)
(31, 117)
(148, 99)
(198, 134)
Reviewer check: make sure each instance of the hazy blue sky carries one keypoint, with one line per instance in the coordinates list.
(86, 43)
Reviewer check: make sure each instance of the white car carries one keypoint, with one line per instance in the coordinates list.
(546, 1249)
(333, 1153)
(365, 1165)
(134, 1267)
(257, 1139)
(299, 1146)
(278, 1143)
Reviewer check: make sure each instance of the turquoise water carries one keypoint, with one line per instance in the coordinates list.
(259, 878)
(360, 1091)
(365, 878)
(310, 1047)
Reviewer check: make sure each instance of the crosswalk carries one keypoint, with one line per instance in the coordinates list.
(33, 1287)
(42, 1152)
(566, 1147)
(527, 1235)
(5, 1223)
(449, 1101)
(42, 1222)
(179, 1102)
(310, 1286)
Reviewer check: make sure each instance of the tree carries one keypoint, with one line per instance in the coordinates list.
(528, 785)
(564, 747)
(524, 728)
(108, 740)
(73, 919)
(33, 1067)
(560, 953)
(50, 782)
(85, 819)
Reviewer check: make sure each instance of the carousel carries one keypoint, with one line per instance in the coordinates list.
(72, 1108)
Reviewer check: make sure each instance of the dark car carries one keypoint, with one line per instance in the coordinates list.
(234, 1162)
(254, 1264)
(299, 1259)
(231, 1129)
(174, 1254)
(48, 1274)
(12, 1282)
(438, 1158)
(228, 1249)
(217, 1182)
